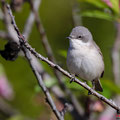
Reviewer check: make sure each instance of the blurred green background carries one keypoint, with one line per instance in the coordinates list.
(57, 19)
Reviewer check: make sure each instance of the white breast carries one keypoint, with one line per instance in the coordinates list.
(84, 61)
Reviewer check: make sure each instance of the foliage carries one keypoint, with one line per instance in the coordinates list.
(104, 9)
(57, 21)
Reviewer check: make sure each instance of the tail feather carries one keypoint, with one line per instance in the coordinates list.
(97, 85)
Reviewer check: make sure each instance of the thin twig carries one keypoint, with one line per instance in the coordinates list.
(6, 19)
(42, 33)
(41, 84)
(27, 29)
(31, 19)
(108, 112)
(50, 55)
(57, 67)
(59, 94)
(36, 73)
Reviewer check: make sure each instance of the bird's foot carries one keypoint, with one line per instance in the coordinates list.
(89, 93)
(72, 79)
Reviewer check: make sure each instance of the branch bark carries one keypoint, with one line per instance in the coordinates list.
(41, 84)
(27, 29)
(50, 55)
(36, 73)
(57, 67)
(31, 19)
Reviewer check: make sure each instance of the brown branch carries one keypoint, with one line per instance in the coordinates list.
(42, 33)
(26, 32)
(27, 29)
(41, 84)
(109, 113)
(36, 73)
(50, 55)
(31, 19)
(7, 22)
(57, 67)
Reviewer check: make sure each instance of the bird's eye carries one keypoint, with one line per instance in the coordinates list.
(80, 36)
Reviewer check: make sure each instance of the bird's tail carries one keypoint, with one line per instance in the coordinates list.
(97, 85)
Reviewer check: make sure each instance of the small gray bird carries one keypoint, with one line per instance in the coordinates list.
(84, 57)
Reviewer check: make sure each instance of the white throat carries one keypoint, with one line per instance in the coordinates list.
(76, 44)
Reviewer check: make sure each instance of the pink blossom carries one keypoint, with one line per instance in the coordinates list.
(108, 118)
(6, 90)
(108, 2)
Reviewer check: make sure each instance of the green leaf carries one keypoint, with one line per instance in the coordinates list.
(97, 14)
(97, 3)
(107, 92)
(111, 86)
(115, 6)
(2, 69)
(37, 88)
(101, 4)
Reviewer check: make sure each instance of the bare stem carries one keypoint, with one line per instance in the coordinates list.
(36, 73)
(41, 84)
(30, 20)
(50, 55)
(57, 67)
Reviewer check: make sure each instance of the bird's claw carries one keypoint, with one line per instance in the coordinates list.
(72, 79)
(89, 93)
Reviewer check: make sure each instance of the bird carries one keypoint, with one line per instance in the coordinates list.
(84, 57)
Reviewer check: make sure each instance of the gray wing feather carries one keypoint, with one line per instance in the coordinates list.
(96, 46)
